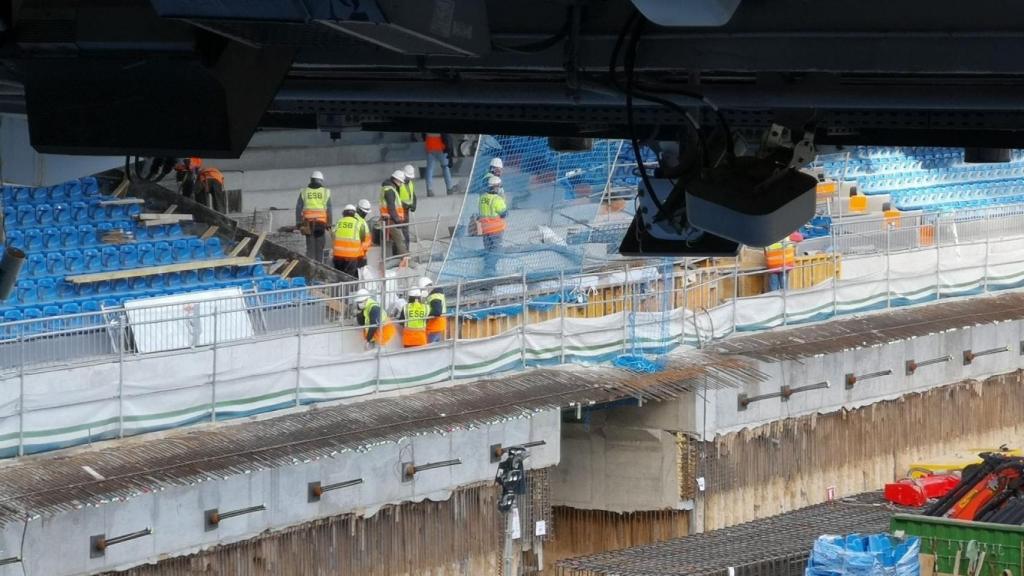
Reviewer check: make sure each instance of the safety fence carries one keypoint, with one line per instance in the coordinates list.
(224, 354)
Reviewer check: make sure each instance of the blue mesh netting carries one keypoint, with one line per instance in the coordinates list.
(566, 209)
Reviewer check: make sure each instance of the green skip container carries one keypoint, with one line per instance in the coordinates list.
(1002, 544)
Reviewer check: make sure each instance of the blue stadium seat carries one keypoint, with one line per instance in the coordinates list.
(90, 187)
(103, 228)
(26, 292)
(47, 289)
(129, 256)
(181, 251)
(96, 211)
(13, 315)
(117, 211)
(173, 230)
(87, 289)
(110, 257)
(92, 307)
(74, 190)
(61, 213)
(16, 238)
(69, 237)
(124, 225)
(87, 235)
(8, 194)
(33, 239)
(55, 264)
(51, 238)
(207, 276)
(141, 234)
(141, 283)
(32, 314)
(104, 287)
(50, 311)
(74, 262)
(72, 308)
(158, 231)
(197, 247)
(66, 290)
(40, 194)
(133, 210)
(214, 248)
(122, 286)
(80, 212)
(162, 253)
(172, 280)
(93, 262)
(35, 265)
(58, 193)
(224, 273)
(22, 195)
(243, 272)
(258, 271)
(26, 215)
(146, 256)
(189, 278)
(44, 214)
(267, 284)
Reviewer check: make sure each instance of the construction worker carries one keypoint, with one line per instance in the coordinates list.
(362, 212)
(437, 308)
(492, 213)
(313, 215)
(495, 168)
(414, 333)
(348, 242)
(392, 211)
(185, 173)
(407, 194)
(438, 148)
(779, 258)
(377, 329)
(211, 187)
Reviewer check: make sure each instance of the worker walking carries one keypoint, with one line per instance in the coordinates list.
(211, 188)
(437, 308)
(377, 329)
(491, 221)
(438, 148)
(414, 333)
(348, 242)
(313, 215)
(393, 213)
(407, 194)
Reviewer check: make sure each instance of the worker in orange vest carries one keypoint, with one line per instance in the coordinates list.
(393, 212)
(414, 315)
(779, 258)
(437, 310)
(185, 173)
(211, 186)
(377, 329)
(349, 235)
(438, 148)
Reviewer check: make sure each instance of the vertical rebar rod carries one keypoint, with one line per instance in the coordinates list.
(121, 340)
(835, 272)
(735, 293)
(21, 391)
(888, 268)
(379, 334)
(625, 315)
(298, 355)
(938, 255)
(522, 322)
(988, 236)
(213, 377)
(561, 314)
(455, 330)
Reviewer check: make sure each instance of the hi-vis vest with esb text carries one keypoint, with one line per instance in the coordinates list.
(384, 202)
(347, 242)
(416, 316)
(314, 204)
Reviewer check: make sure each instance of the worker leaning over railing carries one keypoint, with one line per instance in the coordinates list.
(377, 328)
(414, 316)
(349, 239)
(437, 308)
(779, 258)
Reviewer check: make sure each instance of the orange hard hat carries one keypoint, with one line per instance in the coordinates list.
(195, 161)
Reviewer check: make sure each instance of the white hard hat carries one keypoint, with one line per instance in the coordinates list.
(362, 296)
(364, 205)
(317, 175)
(494, 181)
(398, 175)
(415, 293)
(348, 207)
(497, 163)
(410, 172)
(424, 282)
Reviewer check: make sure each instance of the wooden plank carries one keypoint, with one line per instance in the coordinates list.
(160, 222)
(121, 188)
(209, 233)
(171, 217)
(277, 265)
(164, 269)
(288, 269)
(259, 244)
(335, 305)
(122, 202)
(171, 209)
(239, 247)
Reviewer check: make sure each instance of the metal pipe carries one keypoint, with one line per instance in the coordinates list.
(852, 379)
(213, 378)
(788, 391)
(315, 490)
(912, 366)
(99, 543)
(522, 323)
(561, 311)
(214, 517)
(409, 469)
(969, 355)
(455, 330)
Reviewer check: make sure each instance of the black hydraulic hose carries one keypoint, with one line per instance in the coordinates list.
(1009, 491)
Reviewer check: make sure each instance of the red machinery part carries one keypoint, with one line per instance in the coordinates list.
(915, 492)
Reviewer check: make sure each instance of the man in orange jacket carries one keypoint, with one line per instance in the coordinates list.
(211, 186)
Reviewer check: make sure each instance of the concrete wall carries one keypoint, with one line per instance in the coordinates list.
(176, 513)
(21, 164)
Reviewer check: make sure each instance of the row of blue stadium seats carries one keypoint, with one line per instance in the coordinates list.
(917, 202)
(44, 290)
(86, 235)
(32, 215)
(123, 257)
(51, 320)
(68, 191)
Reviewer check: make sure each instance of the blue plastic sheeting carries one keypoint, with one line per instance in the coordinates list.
(864, 555)
(540, 303)
(639, 364)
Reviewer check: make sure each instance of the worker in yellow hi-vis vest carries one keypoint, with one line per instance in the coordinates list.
(313, 215)
(414, 333)
(437, 306)
(349, 235)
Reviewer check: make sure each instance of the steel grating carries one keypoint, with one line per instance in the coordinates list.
(774, 546)
(874, 329)
(51, 484)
